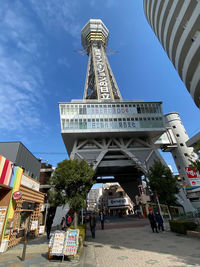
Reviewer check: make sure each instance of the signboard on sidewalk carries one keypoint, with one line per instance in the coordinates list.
(34, 225)
(58, 243)
(193, 176)
(71, 243)
(2, 218)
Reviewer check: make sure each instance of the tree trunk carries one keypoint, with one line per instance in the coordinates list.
(75, 220)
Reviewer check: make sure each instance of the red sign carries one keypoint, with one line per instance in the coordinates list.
(191, 172)
(17, 195)
(193, 175)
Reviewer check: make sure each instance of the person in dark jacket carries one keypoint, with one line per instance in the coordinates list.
(159, 220)
(92, 224)
(152, 220)
(49, 223)
(102, 218)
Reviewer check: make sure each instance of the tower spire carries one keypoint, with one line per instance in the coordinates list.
(100, 83)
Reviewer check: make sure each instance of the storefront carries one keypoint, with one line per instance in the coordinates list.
(20, 204)
(119, 206)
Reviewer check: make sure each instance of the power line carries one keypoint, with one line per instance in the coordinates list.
(50, 153)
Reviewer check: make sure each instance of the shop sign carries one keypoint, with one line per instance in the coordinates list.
(193, 176)
(102, 79)
(117, 202)
(30, 183)
(17, 195)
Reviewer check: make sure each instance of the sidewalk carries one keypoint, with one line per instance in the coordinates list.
(140, 247)
(123, 247)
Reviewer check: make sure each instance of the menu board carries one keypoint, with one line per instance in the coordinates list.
(58, 243)
(2, 217)
(71, 242)
(41, 229)
(34, 225)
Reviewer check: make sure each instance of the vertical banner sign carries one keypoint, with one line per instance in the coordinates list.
(102, 79)
(193, 176)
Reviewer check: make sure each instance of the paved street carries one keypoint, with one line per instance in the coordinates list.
(124, 242)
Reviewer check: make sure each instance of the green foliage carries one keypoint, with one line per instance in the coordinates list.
(71, 182)
(181, 226)
(163, 183)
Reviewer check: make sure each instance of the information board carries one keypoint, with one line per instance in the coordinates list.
(57, 243)
(34, 225)
(2, 218)
(71, 242)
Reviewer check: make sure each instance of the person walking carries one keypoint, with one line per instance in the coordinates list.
(102, 218)
(152, 220)
(159, 220)
(49, 223)
(92, 224)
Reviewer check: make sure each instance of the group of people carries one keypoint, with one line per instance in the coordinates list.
(156, 221)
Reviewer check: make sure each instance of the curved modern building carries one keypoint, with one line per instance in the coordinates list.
(176, 23)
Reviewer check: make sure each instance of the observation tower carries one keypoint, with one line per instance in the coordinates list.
(117, 136)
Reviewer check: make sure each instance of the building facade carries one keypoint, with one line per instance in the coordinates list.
(176, 24)
(20, 199)
(116, 202)
(93, 199)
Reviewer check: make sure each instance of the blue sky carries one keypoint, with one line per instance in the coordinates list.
(39, 68)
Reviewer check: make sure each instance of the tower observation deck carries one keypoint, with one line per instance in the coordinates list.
(117, 136)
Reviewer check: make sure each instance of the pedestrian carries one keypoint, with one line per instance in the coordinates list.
(49, 223)
(102, 218)
(159, 220)
(63, 224)
(152, 220)
(92, 224)
(69, 220)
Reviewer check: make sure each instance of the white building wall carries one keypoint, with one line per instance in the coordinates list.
(181, 154)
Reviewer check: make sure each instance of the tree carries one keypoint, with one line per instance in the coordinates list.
(71, 183)
(162, 183)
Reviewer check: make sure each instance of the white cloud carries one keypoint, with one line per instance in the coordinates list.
(58, 14)
(64, 61)
(20, 78)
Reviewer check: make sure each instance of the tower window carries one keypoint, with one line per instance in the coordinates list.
(174, 127)
(177, 135)
(181, 144)
(186, 154)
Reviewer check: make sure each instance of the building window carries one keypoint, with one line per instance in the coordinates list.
(177, 135)
(181, 144)
(174, 127)
(186, 154)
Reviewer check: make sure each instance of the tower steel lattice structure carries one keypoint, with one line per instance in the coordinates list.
(117, 136)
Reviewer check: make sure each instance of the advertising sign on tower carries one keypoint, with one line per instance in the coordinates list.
(193, 176)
